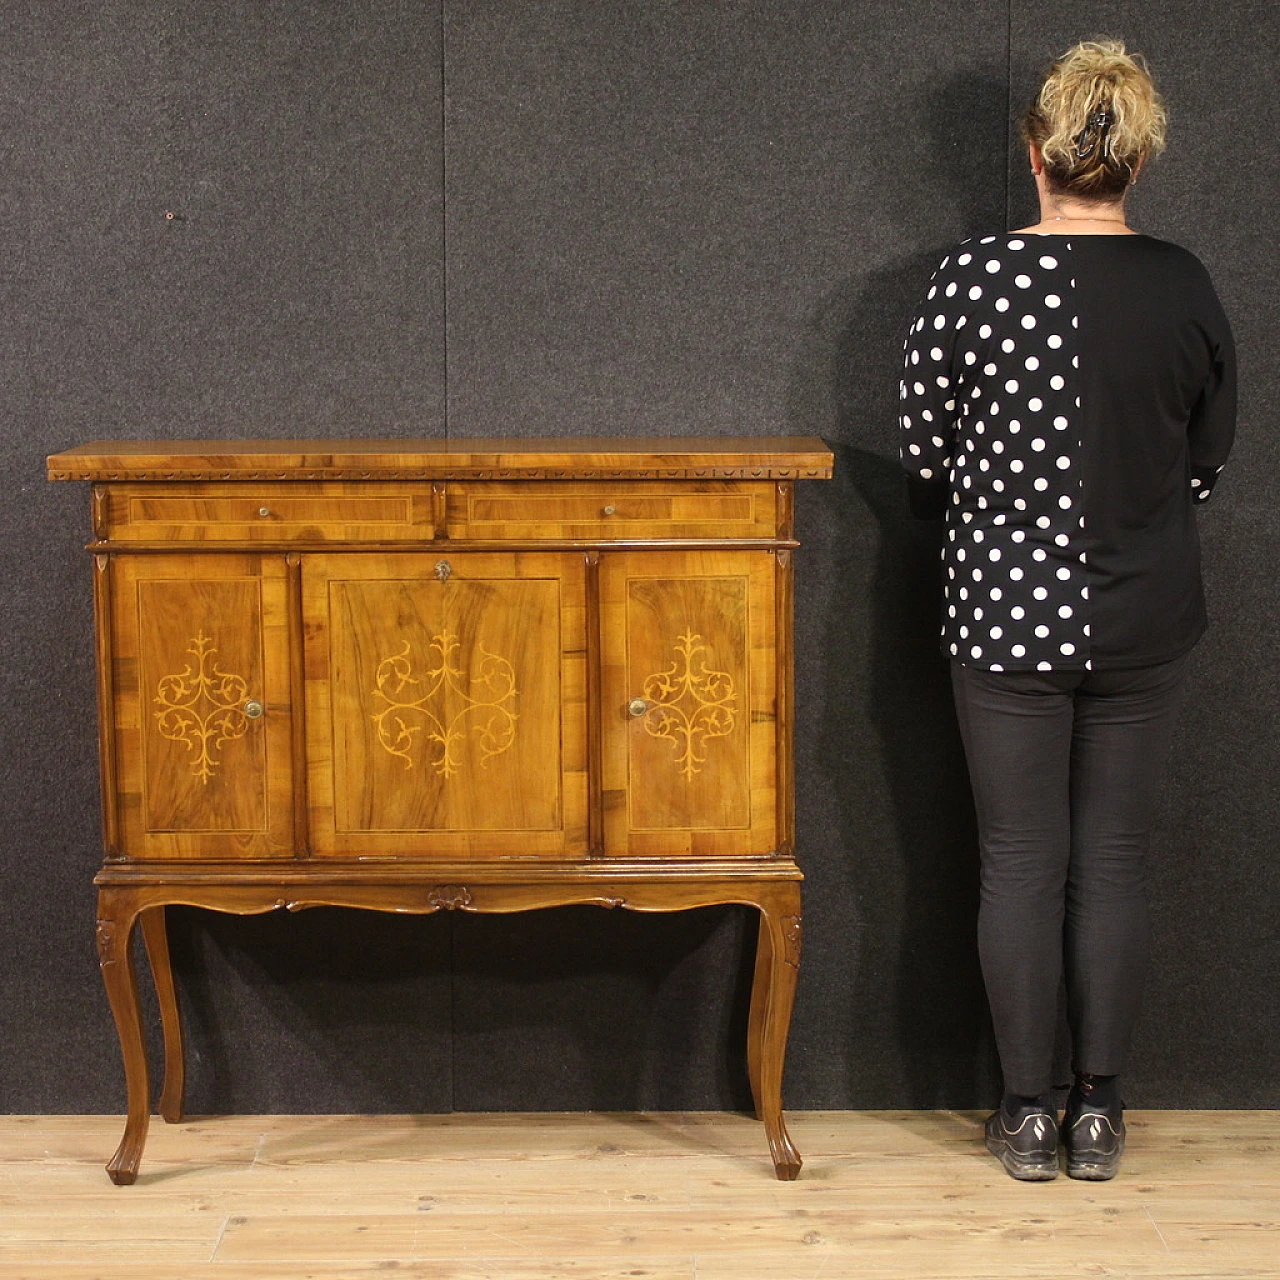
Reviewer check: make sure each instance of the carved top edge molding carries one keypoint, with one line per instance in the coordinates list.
(449, 473)
(500, 458)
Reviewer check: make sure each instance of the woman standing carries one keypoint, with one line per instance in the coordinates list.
(1068, 399)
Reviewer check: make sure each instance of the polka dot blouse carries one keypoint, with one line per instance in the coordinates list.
(1068, 402)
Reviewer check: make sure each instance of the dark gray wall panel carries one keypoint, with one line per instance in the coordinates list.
(717, 218)
(668, 217)
(1209, 1031)
(299, 280)
(297, 289)
(648, 203)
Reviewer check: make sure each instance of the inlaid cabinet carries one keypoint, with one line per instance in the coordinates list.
(443, 675)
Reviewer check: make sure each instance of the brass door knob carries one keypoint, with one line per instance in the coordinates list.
(637, 707)
(610, 510)
(264, 511)
(253, 709)
(443, 570)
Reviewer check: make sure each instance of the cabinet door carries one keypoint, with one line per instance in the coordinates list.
(446, 704)
(689, 711)
(200, 696)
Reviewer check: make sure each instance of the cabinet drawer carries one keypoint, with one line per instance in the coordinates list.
(593, 510)
(297, 512)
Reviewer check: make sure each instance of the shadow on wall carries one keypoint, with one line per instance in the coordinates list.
(268, 1020)
(927, 893)
(572, 1008)
(896, 779)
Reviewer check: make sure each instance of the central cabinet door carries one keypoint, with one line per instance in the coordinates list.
(446, 704)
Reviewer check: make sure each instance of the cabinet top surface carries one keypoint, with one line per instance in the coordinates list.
(691, 457)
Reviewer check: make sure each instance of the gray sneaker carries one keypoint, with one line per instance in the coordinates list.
(1027, 1147)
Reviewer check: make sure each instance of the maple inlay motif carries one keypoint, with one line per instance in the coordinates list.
(690, 703)
(416, 707)
(202, 707)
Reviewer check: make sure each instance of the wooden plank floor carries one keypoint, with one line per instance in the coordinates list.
(640, 1197)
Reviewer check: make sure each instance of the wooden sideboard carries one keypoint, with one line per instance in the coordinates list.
(424, 675)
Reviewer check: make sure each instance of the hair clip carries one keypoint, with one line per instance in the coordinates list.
(1097, 126)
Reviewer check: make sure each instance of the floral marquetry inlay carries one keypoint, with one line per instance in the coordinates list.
(690, 703)
(415, 707)
(202, 707)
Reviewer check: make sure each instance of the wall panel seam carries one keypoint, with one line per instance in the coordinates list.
(1008, 107)
(444, 213)
(445, 388)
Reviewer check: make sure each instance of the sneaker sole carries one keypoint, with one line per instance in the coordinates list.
(1100, 1170)
(1020, 1167)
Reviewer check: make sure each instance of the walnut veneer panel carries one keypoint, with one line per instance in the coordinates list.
(201, 699)
(446, 707)
(690, 703)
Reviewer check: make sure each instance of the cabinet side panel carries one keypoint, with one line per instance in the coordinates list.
(104, 636)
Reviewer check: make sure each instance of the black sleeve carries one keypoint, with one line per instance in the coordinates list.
(1212, 427)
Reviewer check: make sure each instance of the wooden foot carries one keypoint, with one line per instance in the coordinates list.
(777, 970)
(117, 914)
(156, 937)
(122, 1174)
(786, 1159)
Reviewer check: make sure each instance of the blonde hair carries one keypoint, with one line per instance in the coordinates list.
(1096, 118)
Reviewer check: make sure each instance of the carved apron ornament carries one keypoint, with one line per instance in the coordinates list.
(449, 897)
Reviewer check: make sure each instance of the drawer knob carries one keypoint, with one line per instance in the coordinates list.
(637, 707)
(264, 511)
(253, 709)
(610, 510)
(443, 570)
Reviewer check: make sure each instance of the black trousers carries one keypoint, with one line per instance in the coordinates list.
(1065, 768)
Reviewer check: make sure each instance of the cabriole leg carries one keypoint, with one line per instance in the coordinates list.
(759, 1006)
(155, 935)
(773, 997)
(117, 913)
